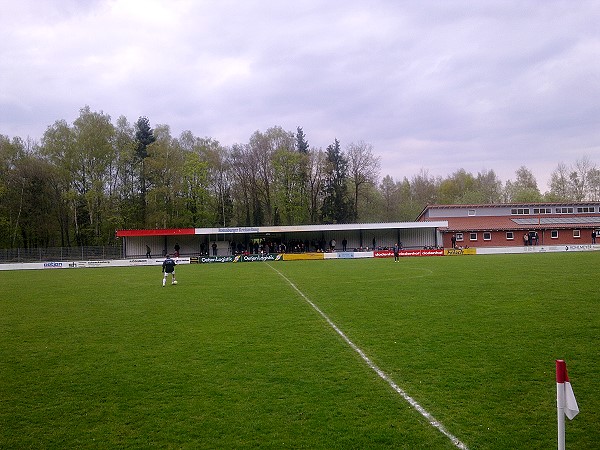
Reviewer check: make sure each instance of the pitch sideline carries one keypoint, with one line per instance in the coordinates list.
(411, 401)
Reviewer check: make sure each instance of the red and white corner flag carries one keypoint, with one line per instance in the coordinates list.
(565, 400)
(569, 404)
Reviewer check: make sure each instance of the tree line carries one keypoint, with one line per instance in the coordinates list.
(85, 180)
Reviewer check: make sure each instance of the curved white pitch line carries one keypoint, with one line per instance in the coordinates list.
(411, 401)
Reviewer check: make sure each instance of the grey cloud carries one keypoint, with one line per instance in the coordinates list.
(438, 85)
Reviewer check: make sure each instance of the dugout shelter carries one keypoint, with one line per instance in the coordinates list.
(300, 238)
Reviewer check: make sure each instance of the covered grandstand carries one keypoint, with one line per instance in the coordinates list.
(290, 239)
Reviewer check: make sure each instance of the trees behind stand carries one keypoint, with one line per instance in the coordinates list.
(87, 179)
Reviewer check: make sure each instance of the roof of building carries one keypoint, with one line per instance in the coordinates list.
(491, 223)
(506, 205)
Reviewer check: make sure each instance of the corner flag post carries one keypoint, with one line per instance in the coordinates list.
(566, 404)
(560, 402)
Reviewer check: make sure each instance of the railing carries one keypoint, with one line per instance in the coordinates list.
(85, 253)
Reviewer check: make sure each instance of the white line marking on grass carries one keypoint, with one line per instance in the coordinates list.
(421, 269)
(411, 401)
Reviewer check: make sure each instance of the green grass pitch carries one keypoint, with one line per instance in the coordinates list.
(235, 357)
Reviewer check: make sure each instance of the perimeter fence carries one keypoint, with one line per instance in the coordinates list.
(84, 253)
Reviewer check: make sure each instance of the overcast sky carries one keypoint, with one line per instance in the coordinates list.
(434, 85)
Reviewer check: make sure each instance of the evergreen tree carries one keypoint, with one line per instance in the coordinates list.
(144, 136)
(301, 142)
(337, 207)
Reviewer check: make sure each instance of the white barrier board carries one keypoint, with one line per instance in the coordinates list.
(89, 264)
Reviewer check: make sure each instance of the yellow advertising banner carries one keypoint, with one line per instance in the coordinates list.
(459, 251)
(299, 256)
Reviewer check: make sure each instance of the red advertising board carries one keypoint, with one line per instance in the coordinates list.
(432, 252)
(423, 252)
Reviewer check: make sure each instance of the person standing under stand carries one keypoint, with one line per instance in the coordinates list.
(148, 254)
(396, 253)
(168, 267)
(214, 249)
(177, 247)
(593, 236)
(344, 244)
(453, 240)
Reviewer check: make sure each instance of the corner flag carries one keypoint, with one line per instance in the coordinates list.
(570, 404)
(565, 400)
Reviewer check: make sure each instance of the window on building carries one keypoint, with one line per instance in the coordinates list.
(586, 209)
(471, 212)
(459, 236)
(576, 234)
(472, 236)
(519, 211)
(564, 210)
(542, 210)
(554, 234)
(510, 235)
(487, 236)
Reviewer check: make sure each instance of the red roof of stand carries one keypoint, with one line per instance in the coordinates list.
(157, 232)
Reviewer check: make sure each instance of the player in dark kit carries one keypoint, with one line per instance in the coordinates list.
(396, 253)
(168, 267)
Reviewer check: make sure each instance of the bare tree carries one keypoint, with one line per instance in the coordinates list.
(363, 169)
(243, 180)
(575, 183)
(219, 176)
(389, 194)
(424, 189)
(580, 178)
(560, 184)
(316, 180)
(594, 186)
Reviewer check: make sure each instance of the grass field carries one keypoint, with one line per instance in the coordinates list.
(235, 357)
